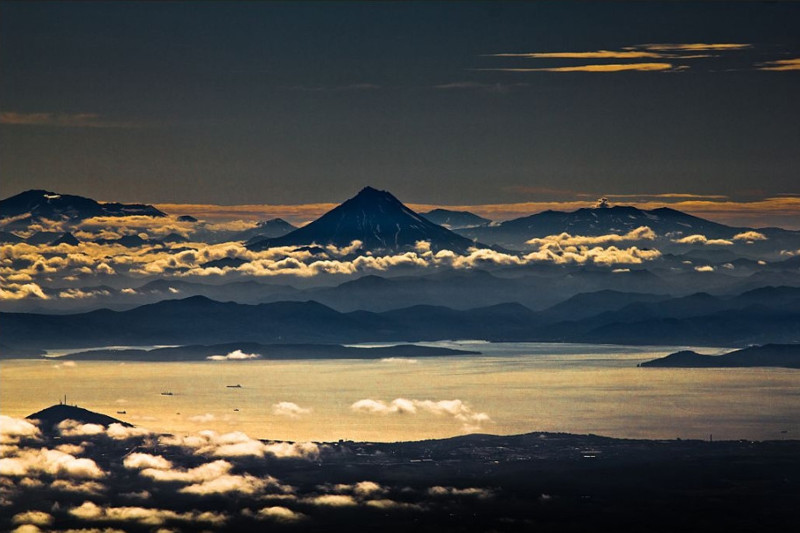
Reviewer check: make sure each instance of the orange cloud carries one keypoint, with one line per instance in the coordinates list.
(693, 47)
(599, 54)
(779, 211)
(781, 64)
(61, 120)
(614, 67)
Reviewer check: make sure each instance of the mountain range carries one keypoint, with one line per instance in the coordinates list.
(760, 316)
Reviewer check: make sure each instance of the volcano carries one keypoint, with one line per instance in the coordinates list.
(377, 219)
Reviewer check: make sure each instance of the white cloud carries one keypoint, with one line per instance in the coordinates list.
(14, 429)
(280, 514)
(73, 428)
(30, 462)
(475, 492)
(332, 500)
(225, 484)
(80, 487)
(642, 233)
(238, 444)
(203, 419)
(236, 355)
(402, 360)
(704, 268)
(702, 239)
(457, 409)
(15, 291)
(140, 461)
(289, 409)
(145, 516)
(750, 236)
(37, 518)
(119, 431)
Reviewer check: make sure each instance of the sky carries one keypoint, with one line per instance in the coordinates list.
(457, 104)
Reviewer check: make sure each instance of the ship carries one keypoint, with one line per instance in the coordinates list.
(237, 386)
(166, 393)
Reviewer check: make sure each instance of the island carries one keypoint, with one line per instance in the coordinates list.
(770, 355)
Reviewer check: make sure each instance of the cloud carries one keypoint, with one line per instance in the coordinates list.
(604, 67)
(140, 461)
(280, 514)
(718, 207)
(453, 491)
(402, 360)
(73, 428)
(387, 504)
(118, 431)
(598, 54)
(62, 120)
(79, 487)
(12, 430)
(15, 291)
(238, 444)
(780, 64)
(702, 239)
(705, 268)
(31, 462)
(37, 518)
(332, 500)
(90, 511)
(236, 355)
(750, 236)
(289, 409)
(497, 88)
(199, 474)
(555, 253)
(227, 484)
(457, 409)
(641, 233)
(291, 213)
(694, 47)
(208, 417)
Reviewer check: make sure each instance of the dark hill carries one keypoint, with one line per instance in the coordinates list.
(775, 355)
(266, 229)
(56, 414)
(376, 218)
(40, 204)
(455, 219)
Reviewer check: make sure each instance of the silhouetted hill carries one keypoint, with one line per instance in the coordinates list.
(455, 219)
(377, 219)
(593, 303)
(266, 229)
(55, 414)
(66, 238)
(40, 204)
(777, 355)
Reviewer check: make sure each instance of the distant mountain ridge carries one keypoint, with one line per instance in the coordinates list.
(595, 221)
(752, 317)
(455, 219)
(376, 218)
(41, 204)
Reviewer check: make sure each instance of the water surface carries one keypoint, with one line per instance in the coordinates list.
(520, 387)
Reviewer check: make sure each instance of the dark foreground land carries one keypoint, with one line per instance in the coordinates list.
(530, 482)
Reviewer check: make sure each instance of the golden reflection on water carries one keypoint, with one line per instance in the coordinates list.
(591, 392)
